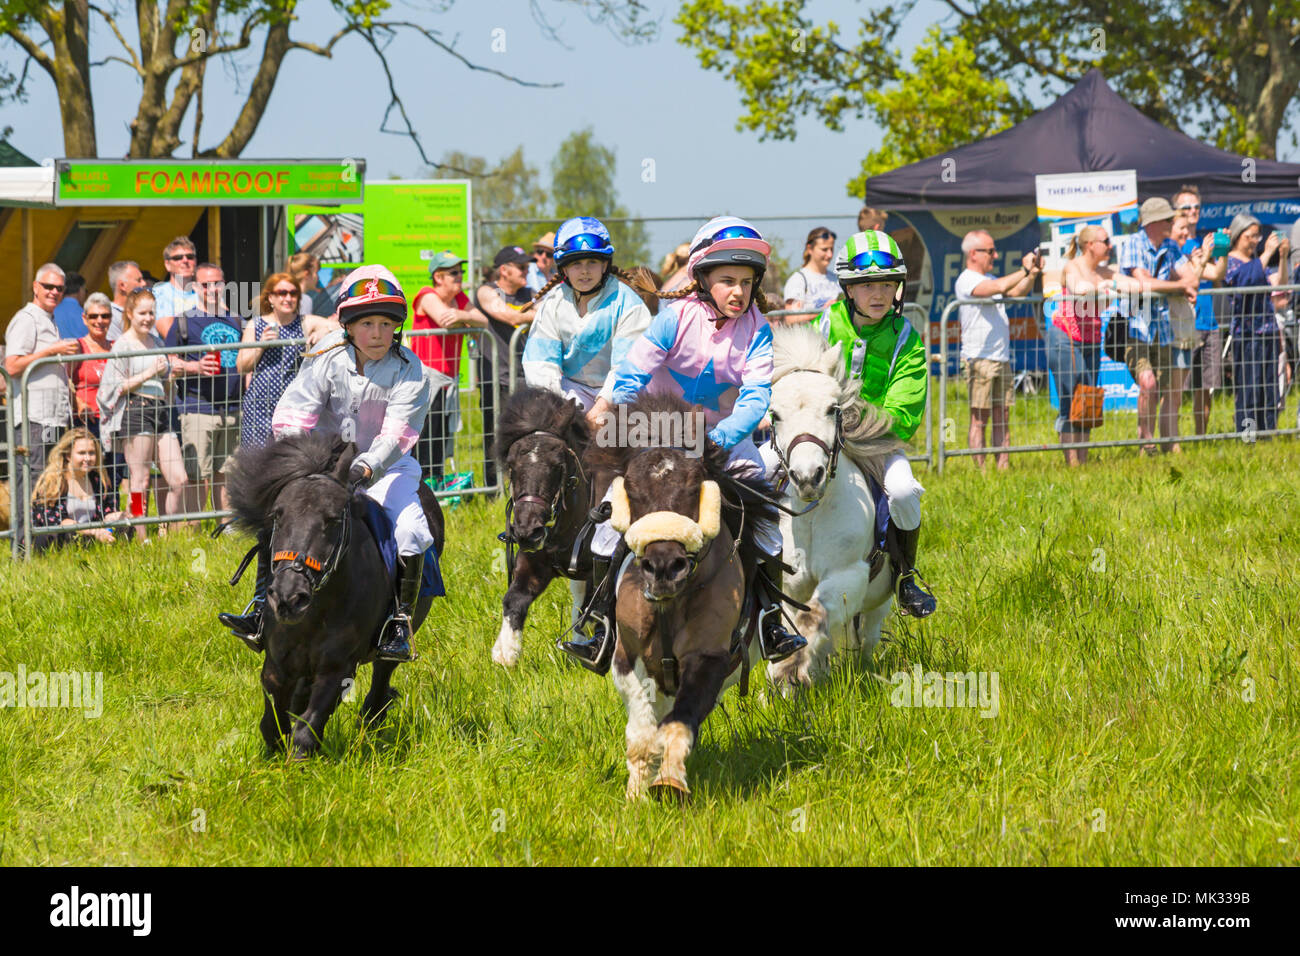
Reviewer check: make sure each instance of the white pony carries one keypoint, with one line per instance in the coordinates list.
(815, 416)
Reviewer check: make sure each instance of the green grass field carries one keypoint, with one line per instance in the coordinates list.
(1141, 616)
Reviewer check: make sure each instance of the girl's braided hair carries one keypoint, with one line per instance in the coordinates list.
(626, 278)
(761, 300)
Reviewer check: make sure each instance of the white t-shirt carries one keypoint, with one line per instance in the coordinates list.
(985, 331)
(811, 289)
(30, 330)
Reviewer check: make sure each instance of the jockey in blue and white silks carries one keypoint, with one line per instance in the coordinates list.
(585, 327)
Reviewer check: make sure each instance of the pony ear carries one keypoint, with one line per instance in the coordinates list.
(620, 518)
(344, 462)
(710, 509)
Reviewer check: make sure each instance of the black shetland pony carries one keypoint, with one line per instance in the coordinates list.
(541, 438)
(330, 592)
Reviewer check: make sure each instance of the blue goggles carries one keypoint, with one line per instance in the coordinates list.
(731, 232)
(583, 242)
(877, 257)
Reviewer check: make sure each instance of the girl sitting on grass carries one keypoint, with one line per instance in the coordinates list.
(73, 490)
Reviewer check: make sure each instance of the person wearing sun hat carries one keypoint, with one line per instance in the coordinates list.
(363, 383)
(542, 269)
(1152, 258)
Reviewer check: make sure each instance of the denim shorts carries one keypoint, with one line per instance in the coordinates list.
(1072, 363)
(1180, 358)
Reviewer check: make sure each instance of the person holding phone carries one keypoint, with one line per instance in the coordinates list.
(986, 338)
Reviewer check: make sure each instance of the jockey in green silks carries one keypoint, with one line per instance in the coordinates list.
(884, 352)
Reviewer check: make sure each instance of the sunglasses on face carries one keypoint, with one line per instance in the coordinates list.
(541, 252)
(1189, 207)
(877, 257)
(49, 287)
(826, 234)
(1103, 239)
(988, 252)
(105, 316)
(179, 256)
(364, 287)
(291, 293)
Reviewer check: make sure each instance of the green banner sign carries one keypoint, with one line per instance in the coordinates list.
(209, 183)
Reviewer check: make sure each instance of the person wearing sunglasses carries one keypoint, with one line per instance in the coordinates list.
(445, 307)
(86, 377)
(124, 277)
(884, 352)
(542, 269)
(812, 288)
(177, 294)
(711, 346)
(1205, 377)
(363, 384)
(31, 335)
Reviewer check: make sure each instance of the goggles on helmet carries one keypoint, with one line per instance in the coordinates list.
(370, 287)
(731, 232)
(876, 257)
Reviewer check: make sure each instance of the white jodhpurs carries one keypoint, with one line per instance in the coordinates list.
(904, 493)
(767, 534)
(397, 492)
(584, 395)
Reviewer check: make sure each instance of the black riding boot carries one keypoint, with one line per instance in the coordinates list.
(596, 652)
(775, 643)
(913, 596)
(395, 639)
(248, 626)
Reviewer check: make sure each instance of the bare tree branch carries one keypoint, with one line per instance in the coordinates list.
(33, 50)
(452, 50)
(135, 62)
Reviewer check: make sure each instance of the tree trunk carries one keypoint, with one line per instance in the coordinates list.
(68, 29)
(277, 44)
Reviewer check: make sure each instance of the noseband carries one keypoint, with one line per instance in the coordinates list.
(832, 452)
(566, 486)
(315, 571)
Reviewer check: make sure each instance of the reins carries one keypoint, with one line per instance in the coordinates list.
(832, 452)
(567, 486)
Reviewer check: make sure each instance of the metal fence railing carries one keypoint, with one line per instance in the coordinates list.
(1227, 380)
(175, 445)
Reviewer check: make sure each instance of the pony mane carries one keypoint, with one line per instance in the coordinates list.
(738, 492)
(260, 474)
(868, 435)
(539, 409)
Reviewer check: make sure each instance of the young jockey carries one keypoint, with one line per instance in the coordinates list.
(883, 350)
(711, 346)
(585, 328)
(364, 384)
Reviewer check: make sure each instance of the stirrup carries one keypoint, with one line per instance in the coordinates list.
(600, 645)
(768, 654)
(253, 640)
(927, 604)
(386, 651)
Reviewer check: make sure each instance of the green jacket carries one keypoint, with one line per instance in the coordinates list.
(889, 358)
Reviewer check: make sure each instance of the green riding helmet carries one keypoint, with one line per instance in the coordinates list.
(870, 257)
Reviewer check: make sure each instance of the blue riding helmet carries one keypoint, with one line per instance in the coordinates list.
(582, 237)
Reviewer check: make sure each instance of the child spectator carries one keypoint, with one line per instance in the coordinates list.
(73, 490)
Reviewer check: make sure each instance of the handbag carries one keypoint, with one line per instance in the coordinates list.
(1087, 401)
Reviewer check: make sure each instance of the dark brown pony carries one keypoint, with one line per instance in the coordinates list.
(330, 592)
(541, 438)
(684, 627)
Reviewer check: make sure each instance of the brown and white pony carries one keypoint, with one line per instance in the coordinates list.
(682, 634)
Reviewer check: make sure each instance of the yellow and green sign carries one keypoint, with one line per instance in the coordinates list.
(208, 182)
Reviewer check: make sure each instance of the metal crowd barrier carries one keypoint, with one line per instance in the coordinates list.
(1245, 391)
(470, 449)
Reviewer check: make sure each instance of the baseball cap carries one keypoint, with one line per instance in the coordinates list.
(1154, 210)
(513, 254)
(444, 260)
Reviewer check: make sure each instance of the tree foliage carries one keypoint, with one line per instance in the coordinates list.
(510, 190)
(174, 41)
(582, 184)
(1227, 71)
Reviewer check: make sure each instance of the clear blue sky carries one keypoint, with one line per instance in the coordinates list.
(651, 101)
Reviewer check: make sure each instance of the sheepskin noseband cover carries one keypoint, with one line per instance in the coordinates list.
(666, 525)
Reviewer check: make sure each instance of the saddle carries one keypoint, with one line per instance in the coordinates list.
(381, 526)
(879, 543)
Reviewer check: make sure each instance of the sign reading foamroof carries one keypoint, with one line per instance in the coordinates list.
(265, 182)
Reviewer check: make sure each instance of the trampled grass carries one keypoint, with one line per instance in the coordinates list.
(1140, 616)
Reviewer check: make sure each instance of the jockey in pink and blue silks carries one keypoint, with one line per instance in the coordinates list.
(363, 384)
(711, 346)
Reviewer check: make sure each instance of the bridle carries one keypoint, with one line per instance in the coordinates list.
(832, 452)
(565, 488)
(316, 572)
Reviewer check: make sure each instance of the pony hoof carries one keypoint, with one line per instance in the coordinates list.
(670, 790)
(506, 657)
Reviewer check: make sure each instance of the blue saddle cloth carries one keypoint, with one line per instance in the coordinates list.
(881, 504)
(381, 526)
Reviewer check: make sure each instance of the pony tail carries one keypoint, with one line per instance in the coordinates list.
(643, 281)
(1073, 249)
(556, 280)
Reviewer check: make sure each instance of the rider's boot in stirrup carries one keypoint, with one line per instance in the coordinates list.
(395, 638)
(248, 626)
(775, 643)
(596, 652)
(914, 597)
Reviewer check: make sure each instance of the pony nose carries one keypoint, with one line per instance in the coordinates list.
(531, 538)
(806, 481)
(292, 600)
(667, 570)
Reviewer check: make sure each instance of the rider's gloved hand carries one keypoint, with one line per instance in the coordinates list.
(358, 475)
